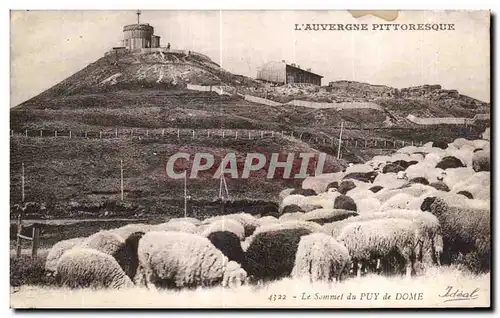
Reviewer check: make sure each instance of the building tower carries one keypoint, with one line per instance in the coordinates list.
(140, 35)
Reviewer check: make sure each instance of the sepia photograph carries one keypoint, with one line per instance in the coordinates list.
(333, 159)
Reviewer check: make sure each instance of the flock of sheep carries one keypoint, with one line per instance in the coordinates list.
(421, 206)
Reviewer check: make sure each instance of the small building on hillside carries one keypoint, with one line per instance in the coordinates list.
(283, 73)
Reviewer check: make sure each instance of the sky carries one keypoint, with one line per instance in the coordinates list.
(48, 46)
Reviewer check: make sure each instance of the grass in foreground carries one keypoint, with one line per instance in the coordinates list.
(425, 291)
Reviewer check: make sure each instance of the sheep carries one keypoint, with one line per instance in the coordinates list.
(481, 143)
(405, 164)
(458, 200)
(291, 216)
(178, 259)
(332, 185)
(223, 224)
(459, 142)
(376, 188)
(292, 208)
(478, 182)
(440, 185)
(126, 256)
(367, 205)
(284, 193)
(408, 150)
(271, 254)
(320, 257)
(454, 176)
(322, 216)
(481, 161)
(440, 144)
(450, 162)
(128, 229)
(425, 170)
(465, 231)
(381, 239)
(466, 194)
(319, 183)
(104, 241)
(359, 193)
(324, 200)
(229, 244)
(180, 226)
(86, 267)
(58, 250)
(392, 168)
(367, 177)
(398, 201)
(359, 168)
(249, 222)
(429, 227)
(344, 202)
(268, 220)
(346, 186)
(298, 200)
(194, 221)
(420, 180)
(304, 192)
(389, 180)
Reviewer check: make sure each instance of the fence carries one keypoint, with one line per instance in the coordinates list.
(439, 120)
(35, 238)
(339, 106)
(222, 134)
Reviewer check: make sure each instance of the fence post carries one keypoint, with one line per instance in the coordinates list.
(18, 238)
(193, 133)
(412, 142)
(385, 143)
(178, 133)
(236, 135)
(41, 133)
(26, 132)
(365, 143)
(208, 133)
(70, 134)
(223, 134)
(35, 241)
(55, 133)
(163, 132)
(100, 134)
(131, 133)
(261, 134)
(147, 132)
(116, 132)
(249, 135)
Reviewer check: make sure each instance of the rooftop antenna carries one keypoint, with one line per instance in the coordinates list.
(138, 16)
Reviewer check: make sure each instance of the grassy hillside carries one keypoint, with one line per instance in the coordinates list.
(139, 95)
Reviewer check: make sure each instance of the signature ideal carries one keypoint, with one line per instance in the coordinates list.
(456, 294)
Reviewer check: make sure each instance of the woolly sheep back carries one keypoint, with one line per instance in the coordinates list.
(178, 259)
(271, 255)
(85, 267)
(224, 224)
(320, 257)
(58, 250)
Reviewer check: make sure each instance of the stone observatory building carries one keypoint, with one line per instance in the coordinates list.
(139, 36)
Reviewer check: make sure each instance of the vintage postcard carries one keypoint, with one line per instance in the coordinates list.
(250, 159)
